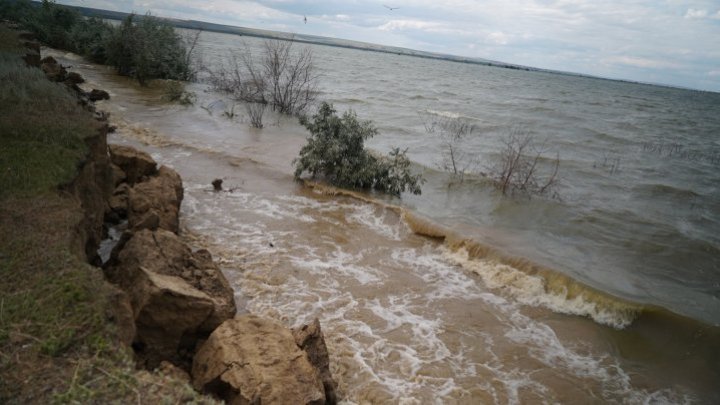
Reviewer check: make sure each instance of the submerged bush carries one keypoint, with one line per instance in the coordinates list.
(283, 77)
(174, 91)
(336, 151)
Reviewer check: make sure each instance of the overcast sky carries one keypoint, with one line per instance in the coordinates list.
(672, 42)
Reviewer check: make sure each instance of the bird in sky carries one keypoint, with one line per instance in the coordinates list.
(390, 8)
(305, 18)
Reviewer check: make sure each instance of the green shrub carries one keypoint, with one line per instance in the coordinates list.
(141, 47)
(174, 91)
(148, 48)
(89, 37)
(336, 151)
(51, 24)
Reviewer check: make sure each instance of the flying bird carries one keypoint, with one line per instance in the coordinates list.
(305, 18)
(390, 8)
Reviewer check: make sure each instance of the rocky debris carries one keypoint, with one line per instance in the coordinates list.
(310, 339)
(117, 204)
(163, 252)
(168, 312)
(26, 35)
(49, 60)
(155, 203)
(118, 174)
(92, 187)
(53, 70)
(101, 115)
(135, 163)
(251, 360)
(181, 307)
(178, 296)
(74, 78)
(97, 95)
(32, 57)
(171, 370)
(121, 314)
(217, 184)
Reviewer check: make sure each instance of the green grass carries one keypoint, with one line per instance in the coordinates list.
(57, 343)
(42, 130)
(9, 41)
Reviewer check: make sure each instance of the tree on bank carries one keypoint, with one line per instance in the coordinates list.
(148, 48)
(143, 47)
(336, 151)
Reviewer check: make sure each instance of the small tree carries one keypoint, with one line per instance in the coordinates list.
(255, 112)
(518, 168)
(148, 49)
(291, 77)
(453, 131)
(283, 77)
(336, 150)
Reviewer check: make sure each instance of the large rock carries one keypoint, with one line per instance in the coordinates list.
(135, 163)
(168, 313)
(74, 78)
(118, 174)
(250, 360)
(97, 95)
(162, 252)
(118, 204)
(310, 338)
(53, 70)
(155, 203)
(120, 314)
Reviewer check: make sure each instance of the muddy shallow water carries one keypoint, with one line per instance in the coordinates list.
(408, 318)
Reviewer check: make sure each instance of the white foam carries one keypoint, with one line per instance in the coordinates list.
(337, 263)
(366, 214)
(444, 281)
(445, 114)
(530, 290)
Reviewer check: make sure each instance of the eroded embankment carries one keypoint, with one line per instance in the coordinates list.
(61, 323)
(67, 334)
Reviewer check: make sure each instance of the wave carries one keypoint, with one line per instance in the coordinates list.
(422, 97)
(349, 100)
(526, 282)
(662, 190)
(444, 114)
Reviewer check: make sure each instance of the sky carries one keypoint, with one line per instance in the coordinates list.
(670, 42)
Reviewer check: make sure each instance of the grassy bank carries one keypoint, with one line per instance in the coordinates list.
(58, 338)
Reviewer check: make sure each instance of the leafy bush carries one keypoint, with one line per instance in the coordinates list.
(142, 47)
(89, 37)
(174, 91)
(336, 151)
(146, 49)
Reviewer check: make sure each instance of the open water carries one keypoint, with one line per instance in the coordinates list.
(608, 293)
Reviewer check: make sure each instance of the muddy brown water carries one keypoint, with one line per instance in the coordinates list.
(408, 318)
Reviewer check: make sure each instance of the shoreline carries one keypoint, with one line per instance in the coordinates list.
(649, 318)
(168, 302)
